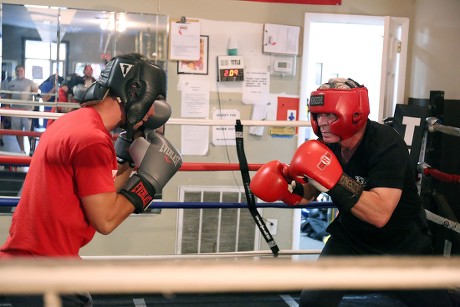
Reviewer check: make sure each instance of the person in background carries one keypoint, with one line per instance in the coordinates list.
(22, 89)
(48, 87)
(66, 89)
(66, 94)
(88, 75)
(4, 121)
(364, 166)
(86, 190)
(48, 91)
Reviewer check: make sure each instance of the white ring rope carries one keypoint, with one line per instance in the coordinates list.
(38, 104)
(434, 125)
(18, 92)
(209, 255)
(454, 131)
(45, 275)
(171, 121)
(455, 226)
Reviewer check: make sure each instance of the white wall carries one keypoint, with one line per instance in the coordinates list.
(435, 49)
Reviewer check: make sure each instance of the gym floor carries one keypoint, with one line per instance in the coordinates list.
(265, 299)
(237, 300)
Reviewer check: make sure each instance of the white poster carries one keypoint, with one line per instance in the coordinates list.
(281, 39)
(184, 41)
(256, 87)
(224, 135)
(195, 140)
(194, 98)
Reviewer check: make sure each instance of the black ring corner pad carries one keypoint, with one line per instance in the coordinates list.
(249, 196)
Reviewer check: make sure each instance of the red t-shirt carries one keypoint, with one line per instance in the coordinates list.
(74, 158)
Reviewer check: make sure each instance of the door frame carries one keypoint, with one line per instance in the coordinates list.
(394, 63)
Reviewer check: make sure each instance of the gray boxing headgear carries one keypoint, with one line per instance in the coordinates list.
(135, 80)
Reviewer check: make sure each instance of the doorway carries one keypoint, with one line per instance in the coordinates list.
(340, 54)
(372, 50)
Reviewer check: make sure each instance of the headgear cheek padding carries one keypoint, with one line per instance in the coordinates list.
(135, 80)
(350, 105)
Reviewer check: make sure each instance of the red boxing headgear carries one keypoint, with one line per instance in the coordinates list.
(350, 105)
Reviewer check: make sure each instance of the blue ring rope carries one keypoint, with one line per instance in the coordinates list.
(13, 202)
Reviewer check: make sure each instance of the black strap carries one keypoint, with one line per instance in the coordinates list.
(249, 196)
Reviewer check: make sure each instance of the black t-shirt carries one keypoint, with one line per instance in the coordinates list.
(382, 160)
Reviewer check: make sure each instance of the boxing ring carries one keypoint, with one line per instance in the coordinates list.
(206, 276)
(234, 272)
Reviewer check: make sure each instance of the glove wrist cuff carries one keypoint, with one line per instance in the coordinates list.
(346, 193)
(298, 188)
(139, 192)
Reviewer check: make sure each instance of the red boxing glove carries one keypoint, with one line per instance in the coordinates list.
(272, 182)
(315, 160)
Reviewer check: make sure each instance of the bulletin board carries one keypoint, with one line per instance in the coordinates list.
(246, 35)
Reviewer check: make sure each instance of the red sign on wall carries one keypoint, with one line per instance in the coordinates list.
(287, 110)
(321, 2)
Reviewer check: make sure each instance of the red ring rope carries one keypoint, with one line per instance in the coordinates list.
(441, 176)
(186, 166)
(33, 133)
(20, 132)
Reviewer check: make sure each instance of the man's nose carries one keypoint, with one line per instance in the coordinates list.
(322, 119)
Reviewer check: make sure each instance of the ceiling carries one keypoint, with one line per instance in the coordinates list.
(73, 20)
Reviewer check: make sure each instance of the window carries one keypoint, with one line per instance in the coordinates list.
(41, 59)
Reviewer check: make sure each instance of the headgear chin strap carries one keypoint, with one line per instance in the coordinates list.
(135, 80)
(344, 98)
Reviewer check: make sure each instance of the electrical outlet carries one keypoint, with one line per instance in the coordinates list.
(272, 225)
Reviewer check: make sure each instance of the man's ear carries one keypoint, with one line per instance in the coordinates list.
(357, 117)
